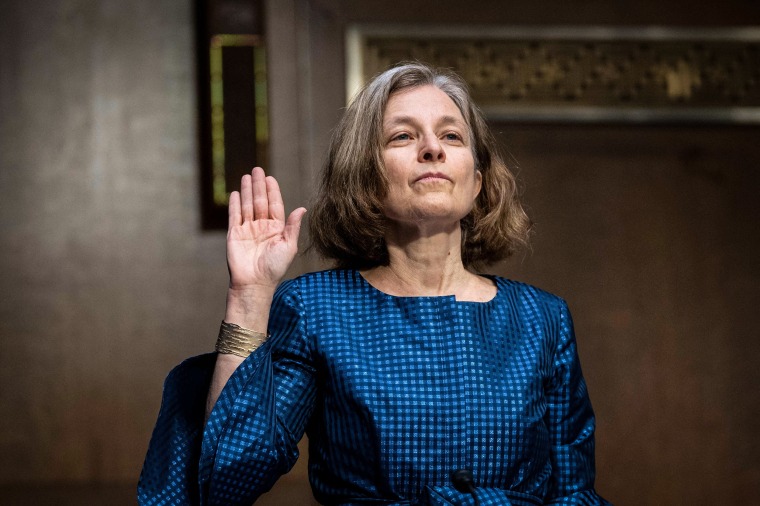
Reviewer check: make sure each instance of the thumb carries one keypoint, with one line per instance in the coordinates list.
(293, 225)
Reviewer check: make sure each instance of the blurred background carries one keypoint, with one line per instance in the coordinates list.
(111, 270)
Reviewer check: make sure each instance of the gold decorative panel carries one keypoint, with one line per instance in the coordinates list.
(252, 121)
(583, 74)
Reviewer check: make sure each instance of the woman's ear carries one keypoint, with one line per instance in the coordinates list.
(478, 184)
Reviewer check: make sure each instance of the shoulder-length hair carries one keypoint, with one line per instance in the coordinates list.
(346, 220)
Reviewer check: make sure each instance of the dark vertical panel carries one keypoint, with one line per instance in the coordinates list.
(239, 113)
(228, 31)
(651, 235)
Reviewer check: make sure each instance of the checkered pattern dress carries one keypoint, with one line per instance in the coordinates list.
(395, 393)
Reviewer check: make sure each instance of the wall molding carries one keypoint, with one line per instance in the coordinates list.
(580, 74)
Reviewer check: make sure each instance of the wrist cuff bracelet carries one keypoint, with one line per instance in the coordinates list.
(237, 340)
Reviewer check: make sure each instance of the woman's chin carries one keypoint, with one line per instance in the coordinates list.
(429, 216)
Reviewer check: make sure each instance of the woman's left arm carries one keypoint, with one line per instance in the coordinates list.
(570, 420)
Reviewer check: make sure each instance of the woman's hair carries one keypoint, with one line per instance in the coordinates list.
(346, 219)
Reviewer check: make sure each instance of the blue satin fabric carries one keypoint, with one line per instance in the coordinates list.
(395, 394)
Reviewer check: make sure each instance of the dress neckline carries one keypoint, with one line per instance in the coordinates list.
(447, 298)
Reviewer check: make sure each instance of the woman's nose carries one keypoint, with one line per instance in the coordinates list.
(431, 150)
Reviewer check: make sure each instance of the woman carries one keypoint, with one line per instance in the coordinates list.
(402, 364)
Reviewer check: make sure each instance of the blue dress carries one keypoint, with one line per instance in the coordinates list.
(395, 393)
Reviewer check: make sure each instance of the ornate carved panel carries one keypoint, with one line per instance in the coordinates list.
(582, 74)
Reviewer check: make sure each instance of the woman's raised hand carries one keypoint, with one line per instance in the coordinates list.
(261, 244)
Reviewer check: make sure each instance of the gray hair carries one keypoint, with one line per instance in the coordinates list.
(346, 220)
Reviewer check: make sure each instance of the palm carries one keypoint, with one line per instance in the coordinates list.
(260, 244)
(257, 252)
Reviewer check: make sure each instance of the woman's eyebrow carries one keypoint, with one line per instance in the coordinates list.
(450, 120)
(399, 120)
(409, 120)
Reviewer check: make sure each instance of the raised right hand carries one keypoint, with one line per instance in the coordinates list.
(261, 244)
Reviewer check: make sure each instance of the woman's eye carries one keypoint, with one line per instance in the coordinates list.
(452, 137)
(401, 137)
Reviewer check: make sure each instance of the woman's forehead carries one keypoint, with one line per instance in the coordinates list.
(426, 102)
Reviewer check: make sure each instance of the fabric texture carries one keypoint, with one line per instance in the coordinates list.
(395, 393)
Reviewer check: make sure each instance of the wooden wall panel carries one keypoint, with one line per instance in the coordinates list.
(651, 235)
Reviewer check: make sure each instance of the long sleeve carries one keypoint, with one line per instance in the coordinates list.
(170, 471)
(571, 424)
(252, 434)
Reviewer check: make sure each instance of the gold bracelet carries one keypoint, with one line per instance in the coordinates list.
(237, 340)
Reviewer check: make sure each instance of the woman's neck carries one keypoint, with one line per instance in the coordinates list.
(428, 264)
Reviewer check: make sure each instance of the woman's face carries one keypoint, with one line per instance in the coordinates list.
(428, 159)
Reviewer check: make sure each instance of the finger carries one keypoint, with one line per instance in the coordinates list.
(246, 198)
(274, 196)
(293, 225)
(260, 201)
(233, 210)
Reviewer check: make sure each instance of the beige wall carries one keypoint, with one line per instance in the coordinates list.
(106, 280)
